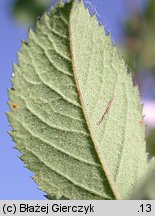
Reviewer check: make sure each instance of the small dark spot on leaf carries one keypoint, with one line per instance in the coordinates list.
(14, 106)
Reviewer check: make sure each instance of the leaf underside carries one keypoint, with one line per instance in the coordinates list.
(74, 111)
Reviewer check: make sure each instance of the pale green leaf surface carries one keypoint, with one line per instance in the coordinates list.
(146, 191)
(57, 131)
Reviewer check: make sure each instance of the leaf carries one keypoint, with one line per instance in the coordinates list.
(146, 191)
(77, 115)
(150, 144)
(27, 11)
